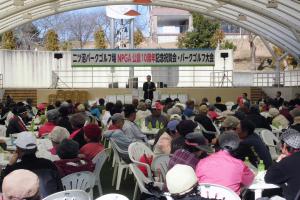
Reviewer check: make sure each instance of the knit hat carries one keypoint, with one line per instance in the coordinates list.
(291, 137)
(58, 134)
(203, 109)
(229, 140)
(20, 184)
(52, 115)
(274, 112)
(186, 126)
(175, 116)
(181, 179)
(230, 122)
(92, 131)
(41, 106)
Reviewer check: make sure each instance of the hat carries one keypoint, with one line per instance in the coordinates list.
(26, 140)
(174, 110)
(141, 106)
(41, 106)
(197, 140)
(180, 105)
(52, 115)
(175, 116)
(92, 131)
(181, 179)
(58, 134)
(186, 126)
(291, 137)
(172, 125)
(230, 122)
(203, 109)
(157, 106)
(295, 112)
(274, 112)
(20, 184)
(117, 117)
(229, 140)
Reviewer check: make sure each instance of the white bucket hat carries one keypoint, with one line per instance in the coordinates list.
(26, 140)
(181, 179)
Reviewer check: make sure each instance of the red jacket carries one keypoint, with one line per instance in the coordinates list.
(69, 166)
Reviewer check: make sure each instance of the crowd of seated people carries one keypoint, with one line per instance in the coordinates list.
(202, 137)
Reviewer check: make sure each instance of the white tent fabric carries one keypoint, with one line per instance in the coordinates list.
(278, 21)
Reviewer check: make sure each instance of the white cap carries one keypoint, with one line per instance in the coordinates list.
(181, 179)
(26, 140)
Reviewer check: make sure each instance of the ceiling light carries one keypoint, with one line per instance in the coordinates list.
(242, 17)
(272, 4)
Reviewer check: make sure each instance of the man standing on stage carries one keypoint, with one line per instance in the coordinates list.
(148, 88)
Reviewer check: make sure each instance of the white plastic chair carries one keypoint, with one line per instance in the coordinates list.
(141, 179)
(160, 166)
(112, 197)
(136, 150)
(120, 165)
(80, 181)
(215, 191)
(3, 130)
(271, 141)
(69, 195)
(229, 105)
(99, 161)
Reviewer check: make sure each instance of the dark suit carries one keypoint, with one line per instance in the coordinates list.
(148, 88)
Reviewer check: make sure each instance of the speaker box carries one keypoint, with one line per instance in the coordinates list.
(224, 55)
(58, 55)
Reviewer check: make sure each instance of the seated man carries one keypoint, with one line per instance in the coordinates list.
(285, 172)
(130, 129)
(21, 184)
(44, 168)
(195, 148)
(156, 118)
(219, 105)
(16, 123)
(52, 117)
(251, 145)
(116, 133)
(92, 135)
(68, 151)
(222, 168)
(163, 144)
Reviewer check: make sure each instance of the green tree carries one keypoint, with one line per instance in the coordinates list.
(138, 37)
(201, 36)
(228, 45)
(51, 41)
(217, 38)
(9, 40)
(99, 37)
(66, 46)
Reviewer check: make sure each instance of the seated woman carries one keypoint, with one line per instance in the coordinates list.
(92, 135)
(57, 135)
(70, 163)
(222, 168)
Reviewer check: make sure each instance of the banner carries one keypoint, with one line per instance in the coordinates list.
(142, 57)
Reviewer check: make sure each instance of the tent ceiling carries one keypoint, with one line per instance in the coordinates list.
(279, 25)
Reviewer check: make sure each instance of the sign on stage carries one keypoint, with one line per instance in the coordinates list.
(142, 57)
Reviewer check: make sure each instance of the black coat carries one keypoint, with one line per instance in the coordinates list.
(286, 173)
(151, 87)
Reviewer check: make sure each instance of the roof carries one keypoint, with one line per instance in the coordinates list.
(168, 11)
(277, 21)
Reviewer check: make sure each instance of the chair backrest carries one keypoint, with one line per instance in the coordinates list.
(160, 166)
(3, 130)
(112, 196)
(99, 161)
(271, 141)
(136, 150)
(117, 150)
(215, 191)
(229, 105)
(79, 180)
(141, 179)
(69, 195)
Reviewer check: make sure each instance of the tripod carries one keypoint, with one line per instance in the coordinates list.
(55, 77)
(224, 77)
